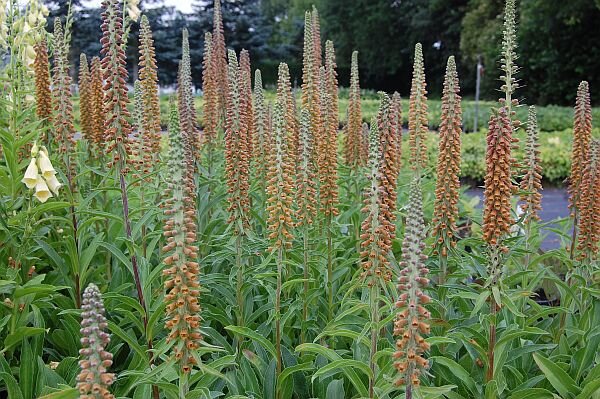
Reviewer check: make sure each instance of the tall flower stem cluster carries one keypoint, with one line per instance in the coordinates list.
(327, 157)
(396, 122)
(417, 114)
(280, 196)
(582, 136)
(94, 379)
(183, 308)
(117, 129)
(43, 95)
(412, 322)
(218, 59)
(211, 101)
(589, 211)
(97, 104)
(531, 184)
(306, 212)
(238, 151)
(353, 140)
(499, 187)
(448, 169)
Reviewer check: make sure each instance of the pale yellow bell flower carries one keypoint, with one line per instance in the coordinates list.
(31, 174)
(45, 165)
(42, 193)
(53, 184)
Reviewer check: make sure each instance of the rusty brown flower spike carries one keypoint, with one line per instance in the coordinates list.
(589, 211)
(306, 190)
(582, 136)
(63, 106)
(94, 379)
(328, 166)
(396, 124)
(97, 103)
(183, 308)
(388, 167)
(187, 110)
(43, 97)
(531, 184)
(498, 182)
(316, 40)
(262, 134)
(85, 106)
(245, 82)
(143, 145)
(219, 59)
(117, 129)
(148, 77)
(237, 148)
(448, 166)
(211, 97)
(353, 139)
(417, 114)
(375, 243)
(412, 321)
(280, 174)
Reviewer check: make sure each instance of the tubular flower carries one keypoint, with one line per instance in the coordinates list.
(183, 308)
(412, 320)
(3, 24)
(85, 98)
(237, 149)
(388, 166)
(117, 129)
(219, 59)
(306, 190)
(329, 96)
(187, 111)
(531, 185)
(375, 243)
(133, 10)
(498, 183)
(448, 166)
(396, 125)
(148, 76)
(97, 101)
(41, 175)
(63, 105)
(417, 113)
(261, 143)
(280, 182)
(211, 95)
(93, 379)
(43, 96)
(353, 155)
(589, 220)
(582, 136)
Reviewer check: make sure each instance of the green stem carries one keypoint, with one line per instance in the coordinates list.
(306, 285)
(278, 314)
(240, 279)
(374, 300)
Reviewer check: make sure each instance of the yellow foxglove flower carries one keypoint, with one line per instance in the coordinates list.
(45, 165)
(53, 184)
(42, 193)
(34, 150)
(31, 174)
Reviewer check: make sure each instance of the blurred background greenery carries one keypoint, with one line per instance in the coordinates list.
(560, 40)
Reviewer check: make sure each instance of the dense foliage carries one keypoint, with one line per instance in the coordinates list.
(278, 247)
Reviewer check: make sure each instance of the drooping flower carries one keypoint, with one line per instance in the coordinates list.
(211, 95)
(97, 104)
(306, 190)
(31, 174)
(43, 97)
(94, 379)
(133, 9)
(262, 134)
(85, 98)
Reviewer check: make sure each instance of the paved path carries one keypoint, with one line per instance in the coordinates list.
(555, 202)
